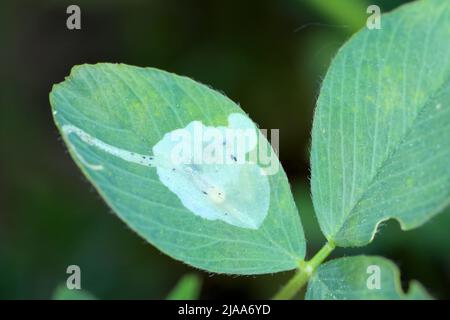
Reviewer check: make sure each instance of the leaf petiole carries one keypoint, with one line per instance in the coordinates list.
(304, 272)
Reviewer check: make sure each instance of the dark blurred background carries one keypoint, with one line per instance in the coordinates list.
(270, 56)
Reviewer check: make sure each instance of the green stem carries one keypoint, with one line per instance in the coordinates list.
(320, 256)
(294, 284)
(304, 272)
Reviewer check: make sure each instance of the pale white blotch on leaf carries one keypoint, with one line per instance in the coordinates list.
(226, 187)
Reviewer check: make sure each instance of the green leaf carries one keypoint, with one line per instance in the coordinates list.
(361, 278)
(380, 138)
(63, 293)
(111, 116)
(188, 288)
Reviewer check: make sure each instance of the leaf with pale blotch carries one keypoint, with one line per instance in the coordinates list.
(361, 278)
(115, 118)
(381, 132)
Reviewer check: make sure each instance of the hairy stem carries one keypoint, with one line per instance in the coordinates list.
(320, 256)
(293, 285)
(304, 272)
